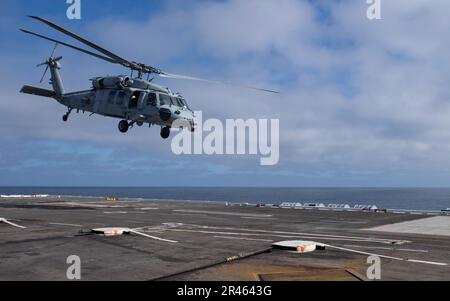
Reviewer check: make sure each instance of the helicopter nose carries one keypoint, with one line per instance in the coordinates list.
(165, 114)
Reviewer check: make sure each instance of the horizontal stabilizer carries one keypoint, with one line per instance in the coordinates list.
(37, 91)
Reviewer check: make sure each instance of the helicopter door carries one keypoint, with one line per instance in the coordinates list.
(151, 99)
(118, 108)
(133, 103)
(140, 104)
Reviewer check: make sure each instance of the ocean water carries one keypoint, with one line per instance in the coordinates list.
(391, 198)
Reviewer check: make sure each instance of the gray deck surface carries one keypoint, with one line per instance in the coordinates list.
(207, 234)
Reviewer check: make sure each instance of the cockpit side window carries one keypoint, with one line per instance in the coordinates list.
(164, 99)
(151, 99)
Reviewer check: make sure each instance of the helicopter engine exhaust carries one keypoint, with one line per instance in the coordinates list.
(112, 82)
(127, 81)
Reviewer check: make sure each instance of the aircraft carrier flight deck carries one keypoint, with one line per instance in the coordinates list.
(161, 240)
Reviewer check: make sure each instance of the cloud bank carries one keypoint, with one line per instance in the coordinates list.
(364, 103)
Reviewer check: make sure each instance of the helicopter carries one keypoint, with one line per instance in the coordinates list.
(134, 100)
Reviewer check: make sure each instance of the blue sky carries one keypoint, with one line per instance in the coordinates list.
(364, 103)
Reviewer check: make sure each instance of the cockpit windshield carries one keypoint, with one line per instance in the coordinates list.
(165, 99)
(176, 101)
(183, 103)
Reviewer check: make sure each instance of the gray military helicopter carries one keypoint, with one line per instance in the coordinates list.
(133, 99)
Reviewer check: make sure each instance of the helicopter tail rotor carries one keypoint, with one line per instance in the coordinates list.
(50, 61)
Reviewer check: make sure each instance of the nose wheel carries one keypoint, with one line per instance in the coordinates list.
(165, 132)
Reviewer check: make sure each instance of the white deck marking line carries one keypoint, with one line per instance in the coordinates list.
(384, 256)
(387, 248)
(243, 238)
(301, 234)
(298, 233)
(261, 218)
(4, 220)
(115, 212)
(275, 235)
(223, 213)
(190, 214)
(61, 224)
(427, 262)
(414, 250)
(152, 237)
(335, 222)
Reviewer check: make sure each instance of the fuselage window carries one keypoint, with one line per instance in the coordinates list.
(111, 97)
(164, 100)
(134, 100)
(151, 99)
(120, 98)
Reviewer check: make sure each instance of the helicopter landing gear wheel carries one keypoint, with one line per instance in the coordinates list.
(66, 116)
(165, 132)
(123, 126)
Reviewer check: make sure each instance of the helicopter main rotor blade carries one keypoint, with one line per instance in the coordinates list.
(54, 49)
(114, 57)
(186, 77)
(71, 46)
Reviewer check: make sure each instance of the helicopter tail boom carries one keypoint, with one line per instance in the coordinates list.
(56, 80)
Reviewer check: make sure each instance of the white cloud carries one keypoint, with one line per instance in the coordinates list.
(359, 97)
